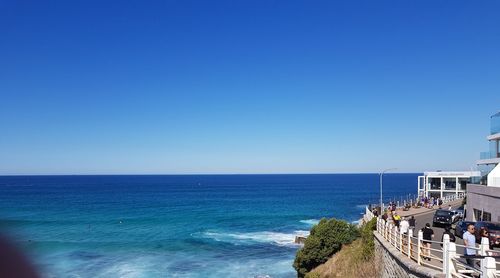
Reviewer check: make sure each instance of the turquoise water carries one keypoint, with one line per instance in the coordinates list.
(178, 226)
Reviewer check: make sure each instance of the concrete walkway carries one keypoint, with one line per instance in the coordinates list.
(422, 210)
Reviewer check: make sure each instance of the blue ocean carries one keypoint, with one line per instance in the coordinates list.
(178, 226)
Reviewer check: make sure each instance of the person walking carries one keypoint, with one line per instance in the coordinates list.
(397, 219)
(412, 222)
(449, 233)
(404, 226)
(403, 229)
(470, 243)
(428, 234)
(385, 216)
(484, 233)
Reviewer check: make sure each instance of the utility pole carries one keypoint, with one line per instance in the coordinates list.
(381, 183)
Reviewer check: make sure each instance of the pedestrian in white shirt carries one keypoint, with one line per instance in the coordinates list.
(404, 225)
(403, 229)
(470, 241)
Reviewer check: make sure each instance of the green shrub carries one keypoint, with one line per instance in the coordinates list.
(326, 239)
(367, 240)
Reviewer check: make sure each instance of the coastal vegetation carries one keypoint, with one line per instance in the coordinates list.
(326, 238)
(352, 249)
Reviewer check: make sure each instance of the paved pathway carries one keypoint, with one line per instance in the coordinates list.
(419, 211)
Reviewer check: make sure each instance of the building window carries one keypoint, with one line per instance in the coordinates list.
(486, 216)
(435, 183)
(477, 214)
(482, 215)
(450, 184)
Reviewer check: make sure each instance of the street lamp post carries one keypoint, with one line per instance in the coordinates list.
(381, 182)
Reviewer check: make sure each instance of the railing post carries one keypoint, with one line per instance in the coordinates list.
(401, 241)
(386, 231)
(446, 262)
(410, 235)
(488, 268)
(389, 231)
(485, 246)
(395, 236)
(452, 253)
(419, 247)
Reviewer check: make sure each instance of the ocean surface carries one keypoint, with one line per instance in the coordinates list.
(178, 226)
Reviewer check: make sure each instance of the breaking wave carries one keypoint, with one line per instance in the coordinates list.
(277, 238)
(310, 221)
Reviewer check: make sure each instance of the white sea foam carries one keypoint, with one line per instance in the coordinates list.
(256, 268)
(282, 239)
(310, 221)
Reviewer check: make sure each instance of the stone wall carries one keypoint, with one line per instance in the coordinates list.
(396, 265)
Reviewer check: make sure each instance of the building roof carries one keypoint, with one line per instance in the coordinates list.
(493, 136)
(453, 174)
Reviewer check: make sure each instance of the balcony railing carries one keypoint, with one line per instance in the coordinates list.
(486, 155)
(489, 155)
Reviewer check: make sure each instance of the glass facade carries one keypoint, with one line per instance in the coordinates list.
(495, 123)
(494, 148)
(463, 182)
(422, 183)
(450, 183)
(435, 183)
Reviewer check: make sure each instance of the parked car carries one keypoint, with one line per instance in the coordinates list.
(461, 227)
(458, 214)
(443, 218)
(493, 230)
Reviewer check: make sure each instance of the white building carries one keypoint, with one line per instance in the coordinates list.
(440, 184)
(483, 200)
(494, 177)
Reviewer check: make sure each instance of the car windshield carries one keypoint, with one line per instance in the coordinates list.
(443, 213)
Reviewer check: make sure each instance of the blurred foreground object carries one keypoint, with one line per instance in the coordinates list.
(13, 263)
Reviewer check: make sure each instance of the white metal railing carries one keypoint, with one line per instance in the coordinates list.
(412, 202)
(367, 216)
(449, 263)
(450, 198)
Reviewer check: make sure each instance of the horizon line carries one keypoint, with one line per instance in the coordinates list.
(209, 174)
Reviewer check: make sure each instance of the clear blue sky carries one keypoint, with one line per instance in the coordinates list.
(132, 87)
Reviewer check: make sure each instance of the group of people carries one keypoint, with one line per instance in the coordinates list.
(429, 202)
(405, 223)
(470, 241)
